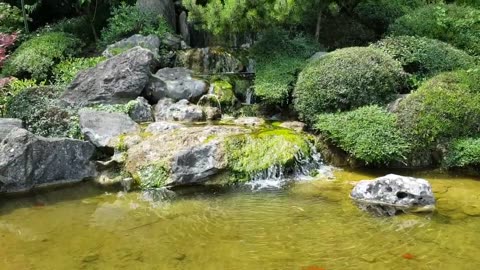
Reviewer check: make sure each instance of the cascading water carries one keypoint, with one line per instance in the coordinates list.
(249, 96)
(304, 167)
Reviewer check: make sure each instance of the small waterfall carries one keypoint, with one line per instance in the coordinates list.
(249, 96)
(251, 66)
(211, 89)
(305, 166)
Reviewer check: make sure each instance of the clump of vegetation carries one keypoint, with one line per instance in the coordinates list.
(275, 76)
(6, 42)
(369, 134)
(65, 71)
(249, 154)
(152, 176)
(444, 108)
(116, 108)
(37, 56)
(457, 25)
(127, 20)
(347, 79)
(425, 57)
(77, 26)
(224, 91)
(13, 88)
(463, 153)
(10, 18)
(41, 113)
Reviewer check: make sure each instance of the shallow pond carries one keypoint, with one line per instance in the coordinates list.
(309, 225)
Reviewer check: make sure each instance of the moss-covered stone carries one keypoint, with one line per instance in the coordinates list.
(224, 91)
(255, 152)
(152, 176)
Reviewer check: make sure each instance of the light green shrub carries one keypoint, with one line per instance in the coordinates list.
(463, 153)
(11, 18)
(65, 71)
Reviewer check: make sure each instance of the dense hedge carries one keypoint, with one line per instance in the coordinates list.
(368, 133)
(457, 25)
(36, 57)
(425, 57)
(463, 153)
(346, 79)
(446, 107)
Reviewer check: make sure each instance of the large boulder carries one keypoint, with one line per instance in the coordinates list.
(390, 194)
(150, 42)
(7, 125)
(178, 84)
(184, 111)
(141, 111)
(164, 8)
(117, 80)
(209, 61)
(28, 161)
(100, 127)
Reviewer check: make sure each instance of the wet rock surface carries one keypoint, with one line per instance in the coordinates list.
(28, 161)
(115, 81)
(178, 84)
(390, 194)
(184, 111)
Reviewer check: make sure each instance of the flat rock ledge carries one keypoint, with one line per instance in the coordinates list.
(393, 194)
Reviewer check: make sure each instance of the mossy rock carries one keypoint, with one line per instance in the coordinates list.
(224, 91)
(252, 153)
(152, 176)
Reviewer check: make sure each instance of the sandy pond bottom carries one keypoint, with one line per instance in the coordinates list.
(309, 225)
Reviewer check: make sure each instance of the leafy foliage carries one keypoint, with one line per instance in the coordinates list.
(368, 133)
(425, 57)
(13, 88)
(37, 56)
(457, 25)
(275, 76)
(6, 42)
(127, 20)
(40, 111)
(463, 153)
(67, 70)
(446, 107)
(346, 79)
(10, 18)
(77, 26)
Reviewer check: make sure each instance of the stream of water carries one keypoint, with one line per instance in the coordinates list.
(306, 225)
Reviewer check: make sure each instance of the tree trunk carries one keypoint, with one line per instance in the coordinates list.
(319, 25)
(91, 20)
(25, 19)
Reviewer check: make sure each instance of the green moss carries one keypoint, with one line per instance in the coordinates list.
(224, 91)
(121, 146)
(152, 176)
(251, 153)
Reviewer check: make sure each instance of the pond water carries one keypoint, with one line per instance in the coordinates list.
(308, 225)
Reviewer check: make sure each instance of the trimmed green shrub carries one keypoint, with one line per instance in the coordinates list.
(78, 26)
(10, 18)
(12, 89)
(457, 25)
(40, 111)
(65, 71)
(275, 76)
(346, 79)
(379, 14)
(128, 20)
(446, 107)
(425, 57)
(368, 133)
(463, 153)
(37, 56)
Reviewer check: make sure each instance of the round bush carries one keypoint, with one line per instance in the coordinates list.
(457, 25)
(346, 79)
(446, 107)
(463, 153)
(425, 57)
(37, 56)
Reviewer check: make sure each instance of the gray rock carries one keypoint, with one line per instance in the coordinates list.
(100, 127)
(183, 25)
(151, 42)
(317, 56)
(164, 8)
(28, 161)
(141, 111)
(212, 113)
(249, 121)
(7, 125)
(208, 61)
(167, 110)
(172, 41)
(162, 126)
(180, 84)
(294, 125)
(118, 80)
(155, 90)
(392, 193)
(197, 164)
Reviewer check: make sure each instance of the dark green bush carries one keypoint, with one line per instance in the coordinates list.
(12, 89)
(41, 113)
(78, 26)
(37, 56)
(279, 58)
(128, 20)
(457, 25)
(11, 18)
(424, 57)
(66, 70)
(346, 79)
(379, 14)
(446, 107)
(368, 133)
(463, 153)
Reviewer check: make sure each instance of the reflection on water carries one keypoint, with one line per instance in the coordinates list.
(309, 225)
